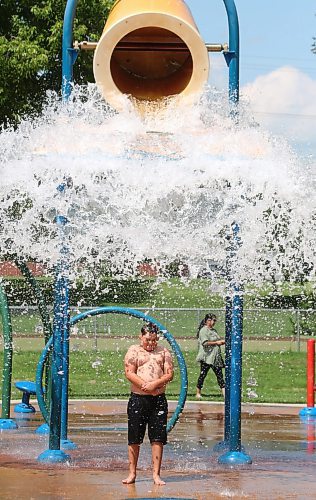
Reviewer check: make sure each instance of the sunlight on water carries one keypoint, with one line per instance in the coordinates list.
(163, 184)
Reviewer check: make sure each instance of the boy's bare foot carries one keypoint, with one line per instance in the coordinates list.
(157, 480)
(130, 479)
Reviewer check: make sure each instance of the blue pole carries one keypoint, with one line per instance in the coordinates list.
(69, 54)
(39, 376)
(228, 335)
(235, 455)
(54, 453)
(57, 361)
(65, 442)
(222, 445)
(232, 56)
(228, 330)
(65, 384)
(232, 60)
(236, 367)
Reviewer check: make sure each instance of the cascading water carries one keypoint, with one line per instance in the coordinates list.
(161, 185)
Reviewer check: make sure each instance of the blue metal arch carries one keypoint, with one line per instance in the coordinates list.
(69, 54)
(68, 58)
(232, 56)
(129, 312)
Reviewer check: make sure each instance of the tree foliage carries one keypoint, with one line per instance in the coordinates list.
(30, 51)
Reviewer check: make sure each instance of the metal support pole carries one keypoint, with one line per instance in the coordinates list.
(54, 453)
(224, 445)
(232, 55)
(236, 370)
(57, 364)
(5, 421)
(95, 335)
(228, 330)
(235, 455)
(298, 330)
(7, 355)
(310, 410)
(310, 373)
(69, 54)
(65, 442)
(232, 60)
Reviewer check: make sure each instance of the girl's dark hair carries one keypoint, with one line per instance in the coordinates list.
(203, 323)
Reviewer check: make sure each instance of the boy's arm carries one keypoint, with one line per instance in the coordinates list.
(165, 378)
(168, 368)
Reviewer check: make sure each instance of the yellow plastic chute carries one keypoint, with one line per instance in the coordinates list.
(150, 49)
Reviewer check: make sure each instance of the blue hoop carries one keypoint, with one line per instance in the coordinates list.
(129, 312)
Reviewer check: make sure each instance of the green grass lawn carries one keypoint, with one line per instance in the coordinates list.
(280, 376)
(180, 322)
(280, 373)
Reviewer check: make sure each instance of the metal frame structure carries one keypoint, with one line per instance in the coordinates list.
(234, 305)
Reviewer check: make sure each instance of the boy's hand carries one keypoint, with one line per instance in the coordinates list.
(149, 386)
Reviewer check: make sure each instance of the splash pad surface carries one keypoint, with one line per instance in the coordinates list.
(282, 449)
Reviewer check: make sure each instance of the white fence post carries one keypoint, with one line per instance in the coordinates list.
(298, 329)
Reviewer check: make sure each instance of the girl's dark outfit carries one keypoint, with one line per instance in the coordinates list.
(210, 356)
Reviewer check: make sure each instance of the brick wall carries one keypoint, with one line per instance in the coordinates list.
(10, 269)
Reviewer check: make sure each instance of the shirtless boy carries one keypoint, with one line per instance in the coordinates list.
(149, 368)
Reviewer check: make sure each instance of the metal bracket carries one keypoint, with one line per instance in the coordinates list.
(85, 45)
(217, 47)
(229, 55)
(73, 54)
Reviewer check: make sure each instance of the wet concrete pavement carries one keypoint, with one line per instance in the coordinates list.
(281, 446)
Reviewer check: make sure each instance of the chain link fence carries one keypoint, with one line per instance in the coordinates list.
(262, 327)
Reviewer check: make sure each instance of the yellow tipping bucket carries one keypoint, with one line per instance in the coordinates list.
(150, 49)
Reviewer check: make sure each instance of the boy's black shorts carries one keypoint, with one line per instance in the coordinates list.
(147, 410)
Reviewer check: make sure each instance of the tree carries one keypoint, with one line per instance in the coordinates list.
(283, 254)
(30, 51)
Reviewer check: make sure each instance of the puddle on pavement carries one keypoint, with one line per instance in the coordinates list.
(281, 446)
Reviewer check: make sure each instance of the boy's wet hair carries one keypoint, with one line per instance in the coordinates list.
(150, 328)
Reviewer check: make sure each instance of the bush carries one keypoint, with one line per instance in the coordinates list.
(280, 301)
(131, 291)
(19, 292)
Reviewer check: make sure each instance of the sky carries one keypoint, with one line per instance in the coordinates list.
(277, 67)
